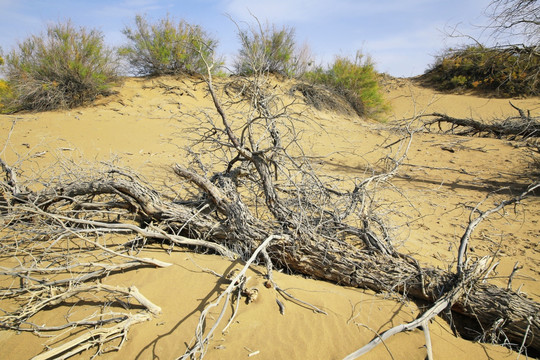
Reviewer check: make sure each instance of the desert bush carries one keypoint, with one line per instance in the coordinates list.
(271, 50)
(5, 90)
(505, 71)
(357, 80)
(61, 68)
(168, 48)
(6, 97)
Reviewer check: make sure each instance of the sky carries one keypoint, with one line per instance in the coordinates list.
(401, 36)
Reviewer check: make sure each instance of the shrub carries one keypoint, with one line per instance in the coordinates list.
(63, 68)
(357, 80)
(5, 89)
(506, 71)
(6, 97)
(168, 48)
(269, 50)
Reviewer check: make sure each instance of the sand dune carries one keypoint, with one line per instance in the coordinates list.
(144, 127)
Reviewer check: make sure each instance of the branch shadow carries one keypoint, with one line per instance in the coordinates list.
(481, 185)
(202, 305)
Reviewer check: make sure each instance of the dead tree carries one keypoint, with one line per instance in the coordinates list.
(265, 191)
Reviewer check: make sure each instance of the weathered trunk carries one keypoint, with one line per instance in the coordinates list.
(499, 312)
(523, 126)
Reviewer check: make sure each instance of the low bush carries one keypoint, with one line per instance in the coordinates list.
(6, 97)
(357, 80)
(265, 49)
(5, 90)
(62, 68)
(168, 48)
(504, 71)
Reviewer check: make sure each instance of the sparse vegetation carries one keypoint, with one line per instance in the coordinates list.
(508, 69)
(357, 80)
(257, 184)
(6, 93)
(167, 47)
(6, 97)
(268, 49)
(246, 188)
(505, 71)
(62, 68)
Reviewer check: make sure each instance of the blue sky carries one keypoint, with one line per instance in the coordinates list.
(402, 36)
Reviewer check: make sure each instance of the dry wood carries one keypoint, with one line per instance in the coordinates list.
(198, 350)
(345, 264)
(523, 126)
(52, 296)
(423, 321)
(38, 283)
(93, 337)
(473, 222)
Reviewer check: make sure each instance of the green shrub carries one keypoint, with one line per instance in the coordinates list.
(168, 48)
(63, 68)
(506, 71)
(5, 89)
(269, 50)
(6, 97)
(357, 80)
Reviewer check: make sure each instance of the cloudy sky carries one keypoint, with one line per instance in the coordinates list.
(402, 36)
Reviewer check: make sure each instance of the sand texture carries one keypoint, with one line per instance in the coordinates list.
(148, 123)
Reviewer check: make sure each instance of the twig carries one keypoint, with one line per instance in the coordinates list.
(92, 338)
(199, 349)
(177, 239)
(514, 272)
(474, 222)
(285, 293)
(429, 348)
(441, 304)
(40, 284)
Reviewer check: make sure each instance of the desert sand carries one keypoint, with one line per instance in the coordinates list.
(144, 126)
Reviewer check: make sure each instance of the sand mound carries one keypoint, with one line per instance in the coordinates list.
(145, 127)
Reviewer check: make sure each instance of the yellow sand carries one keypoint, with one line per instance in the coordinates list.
(144, 127)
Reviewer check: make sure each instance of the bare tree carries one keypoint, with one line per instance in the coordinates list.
(515, 18)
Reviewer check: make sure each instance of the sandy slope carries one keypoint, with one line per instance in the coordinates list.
(144, 127)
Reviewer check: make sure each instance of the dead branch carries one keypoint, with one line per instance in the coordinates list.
(473, 222)
(467, 277)
(94, 337)
(317, 254)
(34, 284)
(444, 302)
(199, 349)
(52, 296)
(523, 126)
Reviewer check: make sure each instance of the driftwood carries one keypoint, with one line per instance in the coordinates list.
(523, 126)
(267, 189)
